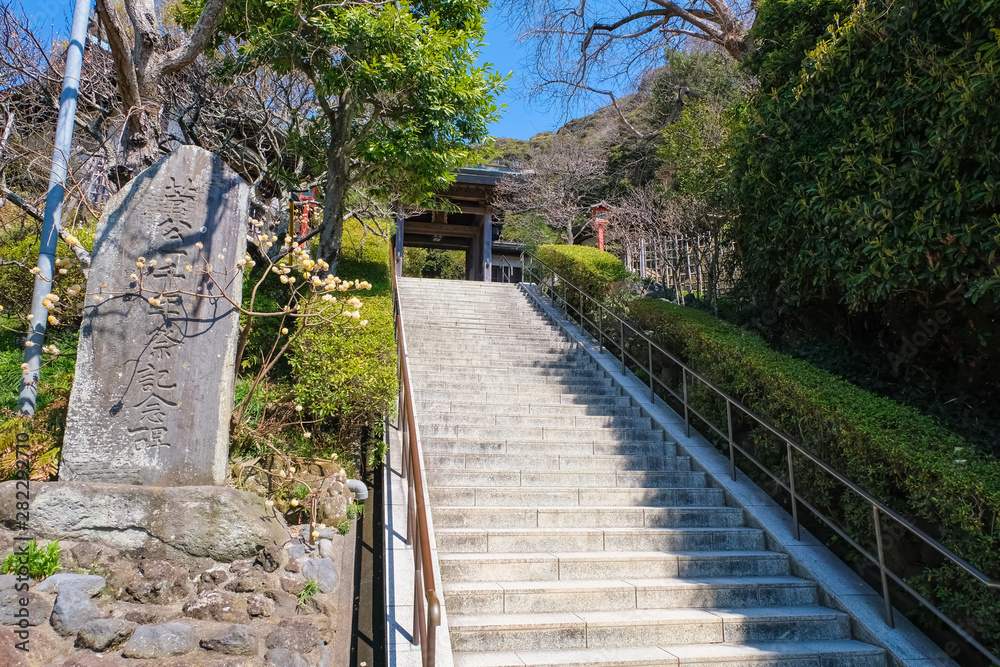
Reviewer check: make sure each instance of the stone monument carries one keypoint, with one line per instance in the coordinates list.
(153, 391)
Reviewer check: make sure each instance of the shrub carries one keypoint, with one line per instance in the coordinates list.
(901, 457)
(348, 376)
(596, 272)
(16, 284)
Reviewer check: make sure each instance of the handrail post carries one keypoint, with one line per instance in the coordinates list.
(732, 443)
(583, 328)
(652, 390)
(687, 420)
(889, 620)
(796, 530)
(600, 327)
(622, 342)
(418, 604)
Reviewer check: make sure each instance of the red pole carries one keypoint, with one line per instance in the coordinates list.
(600, 235)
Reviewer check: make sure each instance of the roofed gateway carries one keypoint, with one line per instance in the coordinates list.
(470, 229)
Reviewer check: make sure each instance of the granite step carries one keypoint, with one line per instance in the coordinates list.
(642, 627)
(529, 566)
(553, 462)
(515, 540)
(836, 653)
(568, 497)
(587, 517)
(525, 597)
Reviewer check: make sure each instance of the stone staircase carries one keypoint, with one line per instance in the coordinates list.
(569, 530)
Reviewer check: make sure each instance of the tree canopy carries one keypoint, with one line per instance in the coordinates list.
(397, 101)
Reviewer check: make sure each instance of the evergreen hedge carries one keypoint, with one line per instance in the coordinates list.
(923, 471)
(594, 271)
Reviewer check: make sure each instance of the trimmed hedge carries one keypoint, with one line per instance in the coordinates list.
(594, 271)
(349, 375)
(898, 455)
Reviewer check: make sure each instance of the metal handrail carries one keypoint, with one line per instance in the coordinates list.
(879, 509)
(426, 621)
(510, 272)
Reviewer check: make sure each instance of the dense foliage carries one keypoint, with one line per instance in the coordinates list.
(594, 271)
(347, 377)
(867, 168)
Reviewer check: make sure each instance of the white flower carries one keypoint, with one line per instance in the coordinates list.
(199, 245)
(298, 408)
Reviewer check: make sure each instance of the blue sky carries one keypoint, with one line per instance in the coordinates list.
(521, 119)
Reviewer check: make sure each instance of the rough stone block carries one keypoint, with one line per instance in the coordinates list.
(153, 389)
(218, 522)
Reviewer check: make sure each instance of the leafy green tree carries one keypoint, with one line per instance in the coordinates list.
(867, 173)
(401, 101)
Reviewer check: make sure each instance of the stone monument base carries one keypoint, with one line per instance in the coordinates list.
(216, 522)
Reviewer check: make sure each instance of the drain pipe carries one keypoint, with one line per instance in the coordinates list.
(359, 489)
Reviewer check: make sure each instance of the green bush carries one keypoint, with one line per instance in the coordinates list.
(901, 457)
(348, 376)
(596, 272)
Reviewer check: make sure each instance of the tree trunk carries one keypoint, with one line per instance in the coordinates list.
(338, 182)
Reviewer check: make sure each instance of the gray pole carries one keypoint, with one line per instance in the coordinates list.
(53, 206)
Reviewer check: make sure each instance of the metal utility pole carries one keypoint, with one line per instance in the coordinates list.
(53, 206)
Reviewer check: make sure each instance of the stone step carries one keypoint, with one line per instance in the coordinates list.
(552, 462)
(586, 517)
(473, 388)
(470, 336)
(545, 376)
(431, 341)
(454, 365)
(549, 497)
(611, 565)
(526, 597)
(642, 627)
(835, 653)
(611, 397)
(515, 540)
(522, 321)
(540, 434)
(447, 445)
(554, 421)
(518, 408)
(575, 479)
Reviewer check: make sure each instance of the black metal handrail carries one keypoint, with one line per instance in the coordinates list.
(425, 621)
(879, 509)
